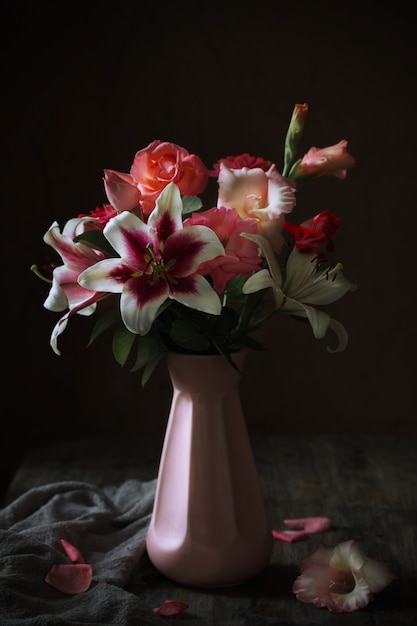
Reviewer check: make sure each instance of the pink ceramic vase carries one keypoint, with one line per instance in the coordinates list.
(209, 526)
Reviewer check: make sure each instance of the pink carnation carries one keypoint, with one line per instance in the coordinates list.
(241, 254)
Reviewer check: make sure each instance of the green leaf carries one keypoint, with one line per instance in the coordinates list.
(187, 336)
(249, 342)
(150, 346)
(234, 286)
(107, 319)
(122, 344)
(149, 369)
(252, 307)
(190, 204)
(221, 348)
(95, 239)
(226, 323)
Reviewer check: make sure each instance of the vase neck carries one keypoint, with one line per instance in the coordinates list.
(204, 374)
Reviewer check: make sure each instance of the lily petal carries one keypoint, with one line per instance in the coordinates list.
(104, 276)
(84, 308)
(166, 218)
(75, 256)
(139, 304)
(259, 280)
(66, 292)
(306, 282)
(269, 254)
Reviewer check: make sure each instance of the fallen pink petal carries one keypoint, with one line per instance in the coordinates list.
(290, 536)
(170, 607)
(70, 579)
(310, 524)
(301, 528)
(72, 552)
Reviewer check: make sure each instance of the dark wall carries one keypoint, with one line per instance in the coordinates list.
(84, 87)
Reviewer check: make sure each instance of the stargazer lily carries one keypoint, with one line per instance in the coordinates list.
(305, 285)
(159, 260)
(65, 291)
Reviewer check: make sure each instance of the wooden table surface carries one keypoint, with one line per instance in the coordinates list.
(366, 485)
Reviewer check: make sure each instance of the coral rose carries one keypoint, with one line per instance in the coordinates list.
(163, 162)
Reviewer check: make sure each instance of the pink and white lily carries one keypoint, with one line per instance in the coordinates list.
(66, 292)
(305, 285)
(265, 196)
(158, 260)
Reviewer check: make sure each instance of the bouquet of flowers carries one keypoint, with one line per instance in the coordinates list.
(169, 274)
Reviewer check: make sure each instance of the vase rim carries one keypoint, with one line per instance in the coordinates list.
(189, 354)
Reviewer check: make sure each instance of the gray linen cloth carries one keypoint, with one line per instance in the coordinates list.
(108, 526)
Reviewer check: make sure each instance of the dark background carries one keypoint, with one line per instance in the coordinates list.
(84, 86)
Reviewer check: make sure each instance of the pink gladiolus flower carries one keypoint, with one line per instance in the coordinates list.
(334, 160)
(163, 162)
(70, 578)
(264, 196)
(314, 235)
(170, 607)
(159, 260)
(65, 291)
(240, 258)
(342, 579)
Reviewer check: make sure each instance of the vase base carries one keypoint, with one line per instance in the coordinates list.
(211, 570)
(214, 585)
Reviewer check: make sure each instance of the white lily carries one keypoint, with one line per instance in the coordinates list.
(305, 285)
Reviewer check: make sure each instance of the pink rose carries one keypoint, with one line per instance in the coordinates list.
(163, 162)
